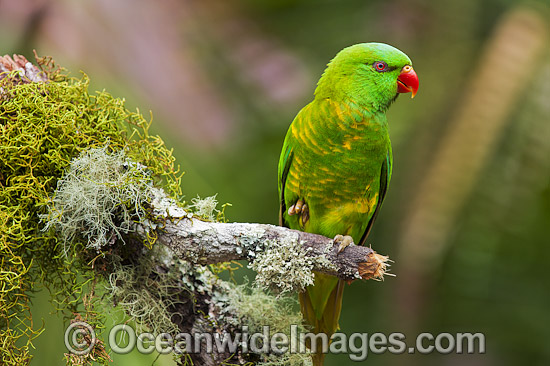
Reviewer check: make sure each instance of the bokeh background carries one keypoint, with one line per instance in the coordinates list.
(467, 217)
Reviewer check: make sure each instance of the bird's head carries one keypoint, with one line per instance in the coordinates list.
(372, 74)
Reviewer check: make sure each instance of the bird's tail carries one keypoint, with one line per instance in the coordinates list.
(321, 304)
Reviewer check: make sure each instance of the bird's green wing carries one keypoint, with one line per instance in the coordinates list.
(284, 166)
(385, 176)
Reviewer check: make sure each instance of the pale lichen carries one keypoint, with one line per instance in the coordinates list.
(205, 208)
(143, 297)
(322, 262)
(283, 266)
(99, 198)
(165, 206)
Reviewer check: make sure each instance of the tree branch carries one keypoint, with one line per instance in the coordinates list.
(203, 242)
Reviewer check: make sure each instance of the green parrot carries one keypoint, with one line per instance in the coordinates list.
(336, 161)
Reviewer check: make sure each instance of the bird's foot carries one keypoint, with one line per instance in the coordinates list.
(300, 208)
(343, 242)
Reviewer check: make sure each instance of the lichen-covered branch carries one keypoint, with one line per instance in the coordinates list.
(275, 252)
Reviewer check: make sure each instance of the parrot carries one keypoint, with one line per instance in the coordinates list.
(336, 162)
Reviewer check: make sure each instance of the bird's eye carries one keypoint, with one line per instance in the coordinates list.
(380, 66)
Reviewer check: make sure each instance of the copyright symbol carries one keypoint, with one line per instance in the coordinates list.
(80, 338)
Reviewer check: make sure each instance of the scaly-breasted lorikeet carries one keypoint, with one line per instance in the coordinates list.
(336, 161)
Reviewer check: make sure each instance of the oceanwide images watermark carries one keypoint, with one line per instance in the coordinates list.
(80, 338)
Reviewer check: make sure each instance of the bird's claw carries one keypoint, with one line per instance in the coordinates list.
(300, 208)
(305, 214)
(296, 208)
(343, 242)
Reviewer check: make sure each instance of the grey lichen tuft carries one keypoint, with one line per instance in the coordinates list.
(205, 208)
(99, 198)
(284, 266)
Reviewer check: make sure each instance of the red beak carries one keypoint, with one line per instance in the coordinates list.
(407, 81)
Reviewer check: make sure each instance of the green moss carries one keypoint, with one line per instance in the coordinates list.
(43, 126)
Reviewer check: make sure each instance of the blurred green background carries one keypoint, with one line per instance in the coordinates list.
(467, 216)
